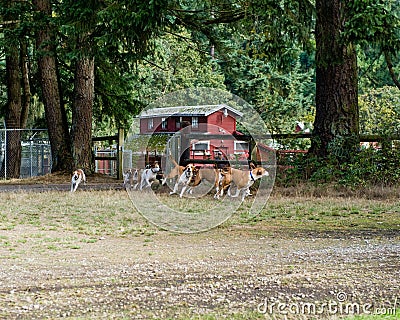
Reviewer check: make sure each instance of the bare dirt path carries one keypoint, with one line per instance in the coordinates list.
(223, 272)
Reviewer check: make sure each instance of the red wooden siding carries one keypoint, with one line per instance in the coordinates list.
(217, 121)
(221, 122)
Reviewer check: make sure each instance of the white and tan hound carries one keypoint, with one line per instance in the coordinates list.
(77, 177)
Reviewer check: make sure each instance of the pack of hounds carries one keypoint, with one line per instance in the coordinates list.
(190, 176)
(187, 178)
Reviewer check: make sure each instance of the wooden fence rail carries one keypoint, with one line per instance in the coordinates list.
(280, 136)
(119, 138)
(276, 136)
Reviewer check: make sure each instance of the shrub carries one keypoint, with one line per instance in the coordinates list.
(366, 167)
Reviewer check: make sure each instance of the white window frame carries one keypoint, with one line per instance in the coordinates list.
(241, 151)
(178, 123)
(164, 123)
(195, 122)
(150, 123)
(201, 152)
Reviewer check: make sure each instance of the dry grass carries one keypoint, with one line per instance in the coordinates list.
(112, 212)
(336, 191)
(90, 213)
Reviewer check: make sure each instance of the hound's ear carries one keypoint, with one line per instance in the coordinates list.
(252, 165)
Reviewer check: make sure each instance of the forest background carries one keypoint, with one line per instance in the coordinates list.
(83, 68)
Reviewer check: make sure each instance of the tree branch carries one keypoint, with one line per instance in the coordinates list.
(390, 68)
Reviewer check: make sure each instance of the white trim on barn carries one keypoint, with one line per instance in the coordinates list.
(205, 147)
(241, 147)
(191, 111)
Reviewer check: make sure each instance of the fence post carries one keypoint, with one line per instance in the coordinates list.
(120, 153)
(5, 151)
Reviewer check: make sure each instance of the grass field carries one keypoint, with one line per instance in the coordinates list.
(112, 213)
(301, 230)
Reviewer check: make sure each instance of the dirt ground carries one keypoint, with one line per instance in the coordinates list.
(235, 271)
(222, 272)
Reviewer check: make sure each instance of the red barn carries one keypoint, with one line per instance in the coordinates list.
(207, 119)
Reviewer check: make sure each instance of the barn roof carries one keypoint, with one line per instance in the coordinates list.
(182, 111)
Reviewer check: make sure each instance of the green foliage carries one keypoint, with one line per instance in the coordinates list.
(118, 34)
(175, 64)
(268, 62)
(373, 21)
(279, 29)
(155, 142)
(282, 98)
(343, 148)
(367, 167)
(114, 105)
(373, 71)
(380, 111)
(290, 99)
(263, 53)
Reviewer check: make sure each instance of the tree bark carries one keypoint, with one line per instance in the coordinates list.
(82, 113)
(25, 72)
(336, 126)
(55, 113)
(12, 163)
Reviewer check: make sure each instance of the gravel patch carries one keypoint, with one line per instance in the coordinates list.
(221, 273)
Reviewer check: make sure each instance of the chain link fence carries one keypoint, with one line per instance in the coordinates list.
(35, 156)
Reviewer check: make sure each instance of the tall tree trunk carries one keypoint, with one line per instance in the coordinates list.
(82, 112)
(12, 163)
(25, 71)
(55, 113)
(336, 126)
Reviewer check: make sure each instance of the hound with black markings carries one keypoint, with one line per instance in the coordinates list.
(148, 176)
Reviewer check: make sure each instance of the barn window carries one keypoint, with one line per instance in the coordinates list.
(241, 147)
(201, 148)
(178, 122)
(150, 124)
(195, 122)
(164, 123)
